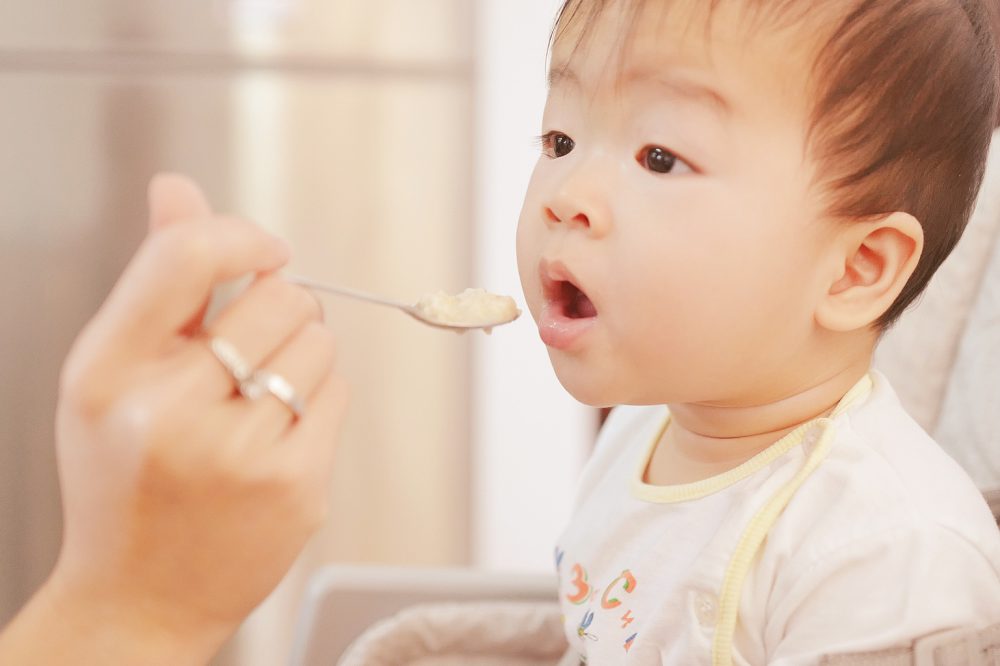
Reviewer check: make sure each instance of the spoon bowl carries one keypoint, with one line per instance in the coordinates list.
(417, 313)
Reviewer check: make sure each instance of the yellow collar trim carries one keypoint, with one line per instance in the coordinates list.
(698, 489)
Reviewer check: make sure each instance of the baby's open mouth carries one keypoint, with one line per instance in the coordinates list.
(568, 313)
(573, 302)
(564, 297)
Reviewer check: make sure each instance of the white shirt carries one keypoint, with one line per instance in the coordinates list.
(850, 534)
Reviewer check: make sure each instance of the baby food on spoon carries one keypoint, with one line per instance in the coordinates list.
(471, 308)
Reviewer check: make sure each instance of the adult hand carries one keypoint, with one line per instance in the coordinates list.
(184, 503)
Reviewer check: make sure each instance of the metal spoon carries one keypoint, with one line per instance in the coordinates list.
(411, 310)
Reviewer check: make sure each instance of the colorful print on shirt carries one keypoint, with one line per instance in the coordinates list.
(613, 599)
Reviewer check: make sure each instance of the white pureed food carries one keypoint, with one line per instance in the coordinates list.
(471, 308)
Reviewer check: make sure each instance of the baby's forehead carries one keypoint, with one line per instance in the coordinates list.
(695, 21)
(728, 47)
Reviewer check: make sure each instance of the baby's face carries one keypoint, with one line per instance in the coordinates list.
(671, 245)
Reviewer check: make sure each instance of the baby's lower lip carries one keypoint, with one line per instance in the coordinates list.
(560, 331)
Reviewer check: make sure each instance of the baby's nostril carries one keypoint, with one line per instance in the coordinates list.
(550, 216)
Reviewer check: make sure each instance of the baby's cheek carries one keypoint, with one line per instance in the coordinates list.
(687, 320)
(526, 254)
(527, 266)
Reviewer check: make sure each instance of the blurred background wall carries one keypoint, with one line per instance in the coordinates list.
(390, 142)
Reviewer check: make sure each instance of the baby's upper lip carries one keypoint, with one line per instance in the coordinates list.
(554, 272)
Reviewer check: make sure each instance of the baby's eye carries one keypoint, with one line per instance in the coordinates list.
(557, 144)
(661, 160)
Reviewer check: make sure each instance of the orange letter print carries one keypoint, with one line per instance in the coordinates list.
(629, 586)
(580, 583)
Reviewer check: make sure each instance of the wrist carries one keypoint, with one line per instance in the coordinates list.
(83, 623)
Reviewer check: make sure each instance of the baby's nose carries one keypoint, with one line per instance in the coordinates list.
(577, 218)
(580, 200)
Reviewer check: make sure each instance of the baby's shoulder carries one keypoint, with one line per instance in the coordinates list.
(886, 479)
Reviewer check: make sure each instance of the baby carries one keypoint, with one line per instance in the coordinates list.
(736, 198)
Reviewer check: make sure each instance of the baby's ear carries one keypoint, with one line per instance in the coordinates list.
(875, 259)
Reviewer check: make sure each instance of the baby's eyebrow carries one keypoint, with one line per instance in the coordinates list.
(558, 74)
(682, 86)
(676, 85)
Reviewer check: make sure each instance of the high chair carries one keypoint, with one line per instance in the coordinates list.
(369, 615)
(943, 359)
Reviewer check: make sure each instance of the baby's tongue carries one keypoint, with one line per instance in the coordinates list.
(582, 307)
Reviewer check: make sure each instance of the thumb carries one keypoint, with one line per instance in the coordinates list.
(174, 197)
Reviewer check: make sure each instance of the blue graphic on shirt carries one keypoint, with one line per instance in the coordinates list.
(582, 630)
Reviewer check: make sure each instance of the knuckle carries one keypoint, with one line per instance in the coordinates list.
(158, 426)
(177, 439)
(78, 391)
(154, 433)
(88, 385)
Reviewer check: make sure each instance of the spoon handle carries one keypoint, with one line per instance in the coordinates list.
(344, 291)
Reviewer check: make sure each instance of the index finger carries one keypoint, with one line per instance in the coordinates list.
(173, 274)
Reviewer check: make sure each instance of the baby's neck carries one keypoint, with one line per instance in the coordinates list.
(708, 439)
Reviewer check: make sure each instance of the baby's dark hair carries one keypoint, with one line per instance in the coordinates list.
(903, 105)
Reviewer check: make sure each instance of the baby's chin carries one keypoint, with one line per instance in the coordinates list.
(586, 384)
(608, 386)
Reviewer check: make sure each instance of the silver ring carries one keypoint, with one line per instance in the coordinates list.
(231, 360)
(262, 382)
